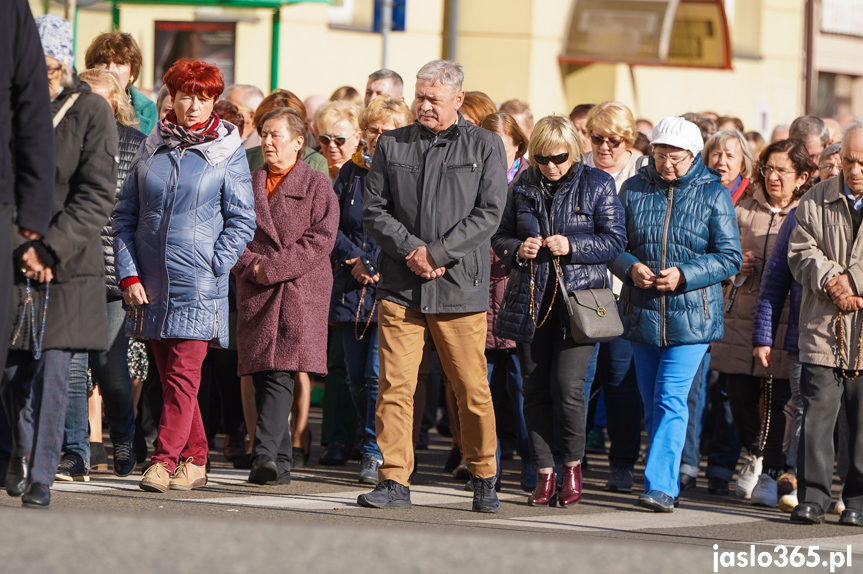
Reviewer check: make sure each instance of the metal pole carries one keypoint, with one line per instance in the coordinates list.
(69, 12)
(386, 28)
(274, 53)
(115, 17)
(453, 29)
(810, 80)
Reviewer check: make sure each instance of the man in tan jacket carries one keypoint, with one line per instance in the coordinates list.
(826, 257)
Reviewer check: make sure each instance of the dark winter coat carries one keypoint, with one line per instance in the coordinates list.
(687, 223)
(85, 178)
(585, 210)
(130, 144)
(776, 283)
(442, 191)
(352, 241)
(26, 134)
(283, 326)
(183, 219)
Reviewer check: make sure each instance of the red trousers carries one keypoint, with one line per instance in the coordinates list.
(181, 429)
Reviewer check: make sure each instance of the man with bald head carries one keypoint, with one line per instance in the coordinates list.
(247, 98)
(826, 258)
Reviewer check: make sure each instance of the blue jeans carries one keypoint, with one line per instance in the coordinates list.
(34, 396)
(111, 372)
(363, 365)
(507, 360)
(615, 374)
(664, 377)
(695, 403)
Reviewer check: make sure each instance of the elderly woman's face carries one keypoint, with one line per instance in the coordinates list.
(551, 170)
(608, 149)
(55, 74)
(339, 143)
(780, 178)
(122, 71)
(671, 162)
(830, 167)
(727, 159)
(374, 131)
(280, 147)
(192, 109)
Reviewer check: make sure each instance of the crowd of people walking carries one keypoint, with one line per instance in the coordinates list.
(546, 281)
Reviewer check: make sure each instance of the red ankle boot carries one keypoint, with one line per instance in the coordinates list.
(570, 490)
(545, 493)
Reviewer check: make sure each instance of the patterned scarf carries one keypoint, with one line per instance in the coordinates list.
(178, 136)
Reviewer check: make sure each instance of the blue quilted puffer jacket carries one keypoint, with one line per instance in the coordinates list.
(776, 283)
(182, 220)
(586, 210)
(687, 223)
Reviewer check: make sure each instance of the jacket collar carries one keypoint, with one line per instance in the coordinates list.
(697, 174)
(532, 178)
(451, 133)
(214, 152)
(835, 189)
(759, 196)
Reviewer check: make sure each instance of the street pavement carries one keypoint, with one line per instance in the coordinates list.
(314, 525)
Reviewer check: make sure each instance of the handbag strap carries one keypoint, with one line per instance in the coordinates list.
(563, 292)
(61, 113)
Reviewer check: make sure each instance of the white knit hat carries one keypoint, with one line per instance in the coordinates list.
(678, 132)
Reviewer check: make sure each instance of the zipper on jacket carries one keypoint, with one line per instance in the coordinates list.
(218, 325)
(662, 296)
(704, 297)
(472, 167)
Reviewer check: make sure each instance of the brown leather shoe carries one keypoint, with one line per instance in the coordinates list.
(156, 478)
(545, 493)
(188, 476)
(570, 490)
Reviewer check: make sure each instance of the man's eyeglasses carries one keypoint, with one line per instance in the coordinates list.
(338, 140)
(598, 141)
(767, 170)
(831, 167)
(671, 160)
(555, 159)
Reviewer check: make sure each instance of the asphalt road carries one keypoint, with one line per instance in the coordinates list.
(314, 525)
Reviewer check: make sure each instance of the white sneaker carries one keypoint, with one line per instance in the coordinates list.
(788, 502)
(765, 492)
(747, 478)
(839, 507)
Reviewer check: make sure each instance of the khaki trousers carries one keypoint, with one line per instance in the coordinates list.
(460, 342)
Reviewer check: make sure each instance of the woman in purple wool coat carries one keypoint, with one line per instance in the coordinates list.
(284, 281)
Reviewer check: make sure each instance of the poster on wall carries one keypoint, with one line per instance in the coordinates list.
(213, 42)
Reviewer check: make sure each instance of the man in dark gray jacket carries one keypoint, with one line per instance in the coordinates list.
(434, 197)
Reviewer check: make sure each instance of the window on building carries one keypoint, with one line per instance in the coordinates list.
(835, 95)
(365, 15)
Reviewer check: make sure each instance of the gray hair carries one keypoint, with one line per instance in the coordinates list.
(251, 96)
(386, 74)
(854, 126)
(805, 127)
(445, 72)
(832, 149)
(719, 139)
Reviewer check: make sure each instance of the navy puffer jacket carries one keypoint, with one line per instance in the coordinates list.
(352, 241)
(687, 223)
(585, 210)
(776, 283)
(182, 220)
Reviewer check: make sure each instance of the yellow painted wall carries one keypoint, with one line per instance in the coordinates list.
(509, 49)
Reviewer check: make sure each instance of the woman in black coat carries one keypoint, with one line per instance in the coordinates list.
(559, 213)
(110, 368)
(59, 277)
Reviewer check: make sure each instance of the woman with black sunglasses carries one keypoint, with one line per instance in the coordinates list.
(338, 133)
(560, 214)
(611, 129)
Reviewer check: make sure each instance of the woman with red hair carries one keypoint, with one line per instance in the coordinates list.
(182, 220)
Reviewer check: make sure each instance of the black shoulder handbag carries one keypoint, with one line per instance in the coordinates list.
(593, 316)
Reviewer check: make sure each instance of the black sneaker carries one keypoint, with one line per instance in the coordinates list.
(453, 460)
(387, 494)
(484, 495)
(124, 458)
(72, 468)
